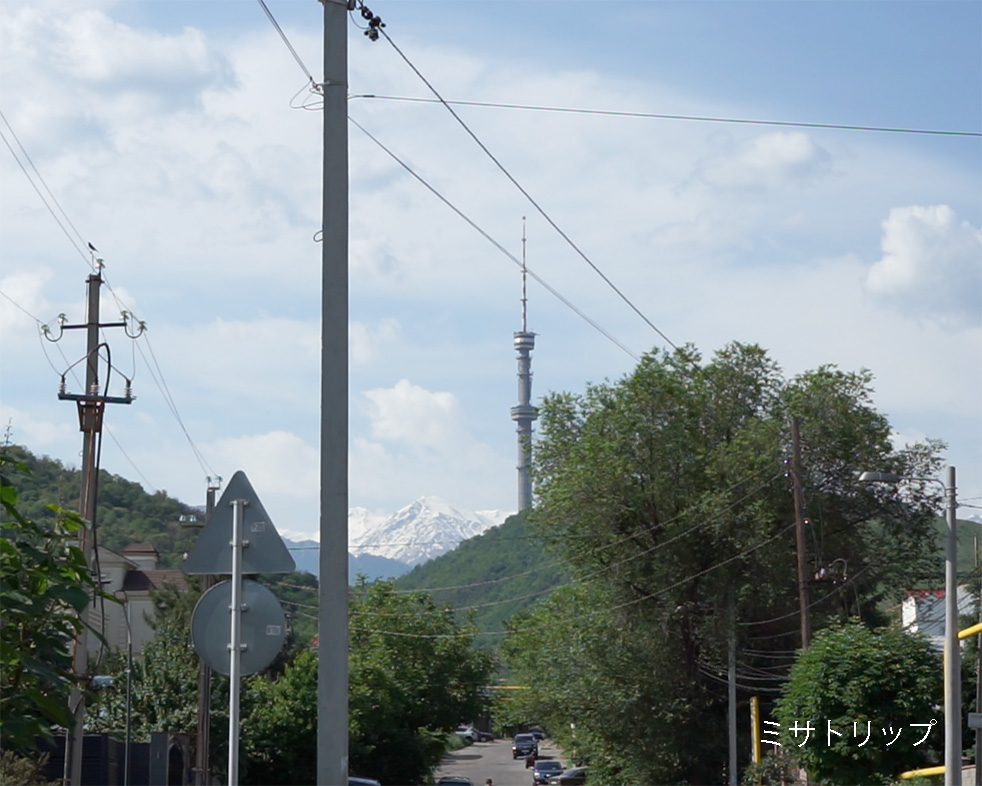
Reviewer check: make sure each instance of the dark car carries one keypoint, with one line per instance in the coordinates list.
(454, 780)
(523, 745)
(575, 776)
(538, 734)
(545, 769)
(352, 781)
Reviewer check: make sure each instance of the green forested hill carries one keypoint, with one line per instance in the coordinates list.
(491, 576)
(125, 512)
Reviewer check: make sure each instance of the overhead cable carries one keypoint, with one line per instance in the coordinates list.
(528, 196)
(662, 116)
(494, 242)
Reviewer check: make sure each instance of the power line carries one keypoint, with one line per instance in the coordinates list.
(38, 190)
(687, 579)
(596, 550)
(528, 196)
(168, 399)
(660, 116)
(494, 242)
(289, 46)
(579, 580)
(112, 436)
(95, 265)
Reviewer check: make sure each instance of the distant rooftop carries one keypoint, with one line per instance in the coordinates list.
(139, 548)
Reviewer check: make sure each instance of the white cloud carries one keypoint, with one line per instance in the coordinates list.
(931, 266)
(285, 464)
(414, 416)
(38, 435)
(365, 339)
(174, 149)
(766, 162)
(24, 302)
(420, 445)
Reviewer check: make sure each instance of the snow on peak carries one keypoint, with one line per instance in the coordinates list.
(424, 529)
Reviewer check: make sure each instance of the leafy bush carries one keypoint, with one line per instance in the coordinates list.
(858, 682)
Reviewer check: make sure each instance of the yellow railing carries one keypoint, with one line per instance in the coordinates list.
(906, 776)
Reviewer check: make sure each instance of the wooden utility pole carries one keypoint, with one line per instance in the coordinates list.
(91, 405)
(731, 692)
(799, 529)
(204, 676)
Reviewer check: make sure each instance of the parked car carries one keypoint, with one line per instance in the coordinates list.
(575, 776)
(545, 769)
(539, 734)
(362, 782)
(454, 780)
(523, 745)
(474, 734)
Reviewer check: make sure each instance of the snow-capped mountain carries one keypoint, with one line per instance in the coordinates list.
(420, 531)
(381, 546)
(362, 521)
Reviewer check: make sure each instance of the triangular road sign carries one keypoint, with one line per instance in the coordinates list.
(265, 552)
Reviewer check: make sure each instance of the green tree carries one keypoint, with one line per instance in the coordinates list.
(414, 674)
(164, 680)
(589, 681)
(45, 586)
(280, 732)
(125, 513)
(883, 681)
(668, 495)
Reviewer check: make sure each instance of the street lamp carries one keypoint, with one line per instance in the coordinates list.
(952, 662)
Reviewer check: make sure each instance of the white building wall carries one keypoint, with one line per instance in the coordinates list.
(923, 611)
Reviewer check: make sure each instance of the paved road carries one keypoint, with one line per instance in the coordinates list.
(484, 760)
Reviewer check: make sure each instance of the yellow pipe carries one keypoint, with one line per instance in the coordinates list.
(971, 630)
(922, 773)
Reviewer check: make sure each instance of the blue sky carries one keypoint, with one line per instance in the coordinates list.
(166, 133)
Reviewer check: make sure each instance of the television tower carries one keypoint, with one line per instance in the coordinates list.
(524, 413)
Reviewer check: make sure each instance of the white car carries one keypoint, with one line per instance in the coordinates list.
(468, 734)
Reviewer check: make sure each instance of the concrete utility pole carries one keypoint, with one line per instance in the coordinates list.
(953, 653)
(332, 615)
(91, 406)
(799, 530)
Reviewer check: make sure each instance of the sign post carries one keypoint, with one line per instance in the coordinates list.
(238, 538)
(235, 643)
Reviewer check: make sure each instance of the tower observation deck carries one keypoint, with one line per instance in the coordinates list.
(523, 415)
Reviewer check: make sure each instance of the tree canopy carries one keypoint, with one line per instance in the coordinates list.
(668, 494)
(44, 587)
(413, 676)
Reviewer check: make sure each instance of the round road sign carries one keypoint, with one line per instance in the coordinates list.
(263, 627)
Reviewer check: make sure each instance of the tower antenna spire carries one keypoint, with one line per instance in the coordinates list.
(524, 279)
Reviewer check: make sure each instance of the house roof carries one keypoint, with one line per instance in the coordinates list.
(139, 548)
(143, 580)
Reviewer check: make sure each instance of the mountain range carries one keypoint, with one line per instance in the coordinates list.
(381, 546)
